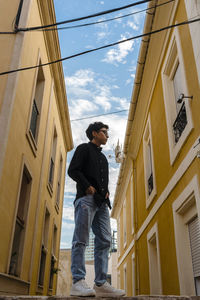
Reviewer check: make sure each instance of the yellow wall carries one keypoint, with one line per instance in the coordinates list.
(164, 170)
(19, 150)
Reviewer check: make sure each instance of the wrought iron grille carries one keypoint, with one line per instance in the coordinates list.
(51, 171)
(34, 118)
(180, 123)
(150, 184)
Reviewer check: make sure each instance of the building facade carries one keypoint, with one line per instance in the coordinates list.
(35, 135)
(157, 197)
(64, 273)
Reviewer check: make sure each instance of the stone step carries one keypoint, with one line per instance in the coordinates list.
(141, 297)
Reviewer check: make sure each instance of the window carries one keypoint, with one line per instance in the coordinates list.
(154, 261)
(177, 108)
(124, 223)
(53, 269)
(193, 10)
(59, 182)
(125, 277)
(118, 237)
(133, 275)
(37, 104)
(52, 159)
(20, 224)
(194, 234)
(118, 280)
(132, 204)
(44, 249)
(187, 238)
(149, 171)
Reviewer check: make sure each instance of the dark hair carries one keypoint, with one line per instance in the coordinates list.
(96, 126)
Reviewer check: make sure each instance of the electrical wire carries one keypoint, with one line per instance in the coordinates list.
(110, 113)
(103, 47)
(104, 21)
(7, 32)
(86, 17)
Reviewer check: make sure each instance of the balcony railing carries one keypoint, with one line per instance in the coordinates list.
(180, 123)
(150, 184)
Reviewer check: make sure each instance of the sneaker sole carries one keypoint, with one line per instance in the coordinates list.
(81, 295)
(109, 295)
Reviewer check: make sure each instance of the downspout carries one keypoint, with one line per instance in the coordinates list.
(137, 270)
(18, 16)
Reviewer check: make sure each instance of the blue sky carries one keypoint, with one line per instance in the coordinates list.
(99, 82)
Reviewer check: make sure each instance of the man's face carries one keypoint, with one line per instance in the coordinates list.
(101, 136)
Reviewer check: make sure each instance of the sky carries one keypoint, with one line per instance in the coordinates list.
(97, 83)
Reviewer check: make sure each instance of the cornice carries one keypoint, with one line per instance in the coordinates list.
(47, 13)
(145, 78)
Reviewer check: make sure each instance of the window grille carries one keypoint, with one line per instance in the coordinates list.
(150, 184)
(180, 123)
(51, 171)
(34, 119)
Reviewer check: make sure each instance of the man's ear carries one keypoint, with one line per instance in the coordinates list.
(94, 134)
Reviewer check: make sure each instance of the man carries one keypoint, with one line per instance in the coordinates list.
(89, 168)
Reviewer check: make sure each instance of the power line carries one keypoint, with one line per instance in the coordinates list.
(110, 113)
(102, 47)
(97, 22)
(104, 21)
(86, 17)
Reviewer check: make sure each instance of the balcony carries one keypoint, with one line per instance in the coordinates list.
(180, 123)
(150, 184)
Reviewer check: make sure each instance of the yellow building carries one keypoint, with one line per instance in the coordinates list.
(157, 198)
(35, 135)
(64, 281)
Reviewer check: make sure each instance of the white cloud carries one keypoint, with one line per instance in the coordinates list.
(133, 25)
(118, 55)
(70, 185)
(81, 78)
(68, 213)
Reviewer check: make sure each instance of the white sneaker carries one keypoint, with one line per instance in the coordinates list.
(106, 290)
(80, 288)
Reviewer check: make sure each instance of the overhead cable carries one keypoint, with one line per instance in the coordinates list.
(107, 20)
(110, 113)
(86, 17)
(103, 47)
(97, 22)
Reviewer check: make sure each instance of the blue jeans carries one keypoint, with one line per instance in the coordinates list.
(88, 215)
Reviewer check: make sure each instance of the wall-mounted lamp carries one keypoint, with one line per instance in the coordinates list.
(182, 96)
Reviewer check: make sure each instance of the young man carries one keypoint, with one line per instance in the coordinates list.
(89, 168)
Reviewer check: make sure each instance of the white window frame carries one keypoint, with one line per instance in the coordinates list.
(185, 207)
(133, 274)
(147, 138)
(174, 57)
(153, 234)
(124, 224)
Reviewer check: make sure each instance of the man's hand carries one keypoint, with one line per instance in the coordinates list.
(90, 190)
(107, 195)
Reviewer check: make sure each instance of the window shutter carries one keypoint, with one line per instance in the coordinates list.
(194, 233)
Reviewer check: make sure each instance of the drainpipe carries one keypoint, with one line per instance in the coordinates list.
(18, 16)
(137, 270)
